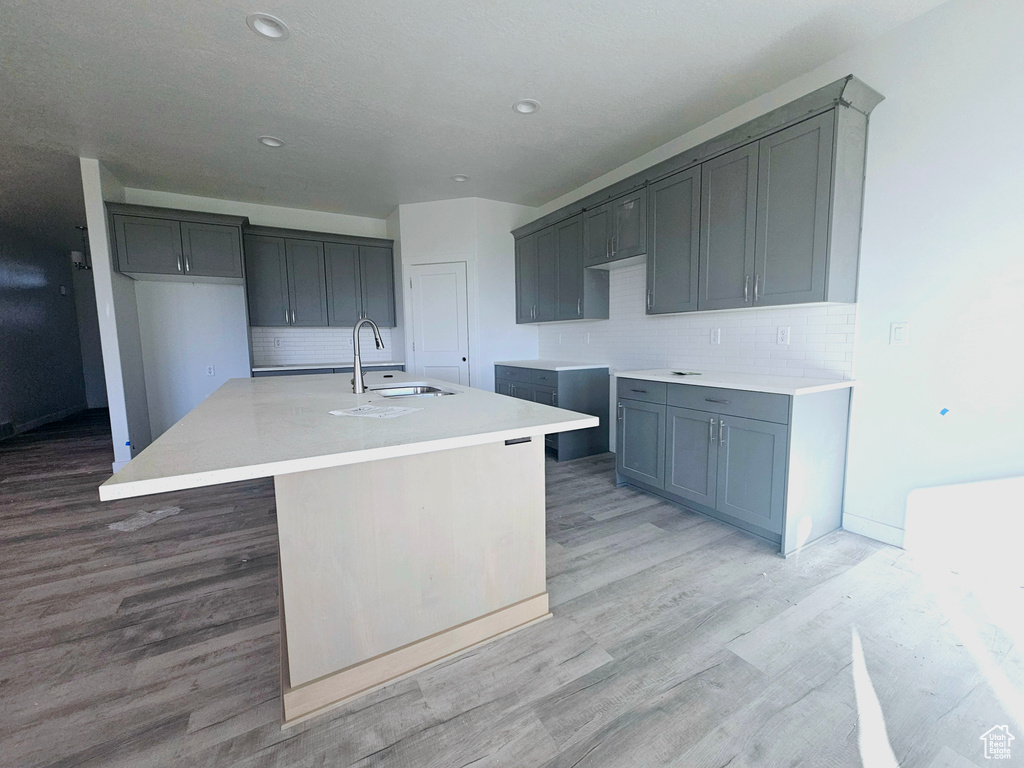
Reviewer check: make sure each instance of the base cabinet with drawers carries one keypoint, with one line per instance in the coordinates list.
(770, 464)
(581, 390)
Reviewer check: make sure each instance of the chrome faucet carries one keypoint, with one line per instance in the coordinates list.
(358, 387)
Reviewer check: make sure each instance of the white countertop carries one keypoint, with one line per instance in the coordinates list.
(753, 382)
(551, 365)
(277, 425)
(319, 366)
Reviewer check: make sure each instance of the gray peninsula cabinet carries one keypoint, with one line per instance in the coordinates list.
(768, 213)
(771, 464)
(164, 244)
(551, 281)
(296, 278)
(579, 387)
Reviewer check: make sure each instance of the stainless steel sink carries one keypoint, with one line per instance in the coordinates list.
(411, 390)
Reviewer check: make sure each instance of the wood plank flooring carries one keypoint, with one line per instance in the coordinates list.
(676, 640)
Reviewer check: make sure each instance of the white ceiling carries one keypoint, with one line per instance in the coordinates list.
(381, 102)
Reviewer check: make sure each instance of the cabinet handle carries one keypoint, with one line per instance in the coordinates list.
(293, 317)
(554, 398)
(188, 265)
(179, 263)
(746, 289)
(639, 390)
(579, 307)
(620, 411)
(512, 389)
(533, 311)
(615, 244)
(286, 320)
(650, 299)
(757, 288)
(713, 400)
(608, 248)
(721, 432)
(711, 430)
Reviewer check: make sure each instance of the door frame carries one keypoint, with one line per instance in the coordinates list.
(471, 310)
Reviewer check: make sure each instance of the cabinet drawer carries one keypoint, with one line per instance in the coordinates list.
(544, 378)
(511, 373)
(639, 389)
(731, 402)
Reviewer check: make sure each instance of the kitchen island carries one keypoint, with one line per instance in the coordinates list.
(402, 540)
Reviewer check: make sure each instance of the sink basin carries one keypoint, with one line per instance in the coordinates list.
(411, 390)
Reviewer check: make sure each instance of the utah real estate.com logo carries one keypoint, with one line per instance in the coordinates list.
(997, 742)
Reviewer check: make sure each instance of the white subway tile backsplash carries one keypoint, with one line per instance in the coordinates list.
(316, 346)
(821, 338)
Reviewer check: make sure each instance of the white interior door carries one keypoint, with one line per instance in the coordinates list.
(440, 321)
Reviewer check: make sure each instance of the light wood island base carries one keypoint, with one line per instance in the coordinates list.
(391, 566)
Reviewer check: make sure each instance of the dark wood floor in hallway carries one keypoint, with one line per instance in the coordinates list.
(676, 641)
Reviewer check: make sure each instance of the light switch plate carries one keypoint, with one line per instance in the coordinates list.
(782, 336)
(899, 334)
(716, 335)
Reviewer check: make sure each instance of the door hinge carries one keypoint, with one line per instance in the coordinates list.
(414, 346)
(410, 283)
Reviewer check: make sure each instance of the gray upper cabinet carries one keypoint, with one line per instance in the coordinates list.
(640, 453)
(728, 218)
(526, 278)
(161, 244)
(569, 242)
(344, 298)
(691, 455)
(597, 236)
(547, 275)
(377, 284)
(794, 182)
(266, 281)
(148, 245)
(213, 250)
(673, 243)
(752, 471)
(629, 225)
(307, 282)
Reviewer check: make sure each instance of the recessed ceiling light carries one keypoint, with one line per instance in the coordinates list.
(267, 25)
(270, 141)
(460, 177)
(526, 106)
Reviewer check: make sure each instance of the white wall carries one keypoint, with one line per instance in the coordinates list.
(477, 232)
(89, 338)
(40, 362)
(186, 327)
(118, 321)
(941, 249)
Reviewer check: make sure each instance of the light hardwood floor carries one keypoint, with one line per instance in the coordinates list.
(676, 640)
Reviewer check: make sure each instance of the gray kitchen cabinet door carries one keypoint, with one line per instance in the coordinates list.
(691, 455)
(545, 395)
(266, 281)
(148, 245)
(673, 243)
(569, 241)
(344, 299)
(547, 275)
(597, 236)
(377, 284)
(794, 183)
(728, 217)
(522, 391)
(641, 442)
(629, 225)
(307, 282)
(752, 471)
(503, 387)
(211, 250)
(526, 278)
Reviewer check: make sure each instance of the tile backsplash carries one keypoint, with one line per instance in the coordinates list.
(313, 346)
(820, 346)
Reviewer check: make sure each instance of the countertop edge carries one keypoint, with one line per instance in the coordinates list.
(552, 365)
(131, 489)
(696, 381)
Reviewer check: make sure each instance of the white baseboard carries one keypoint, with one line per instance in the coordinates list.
(888, 534)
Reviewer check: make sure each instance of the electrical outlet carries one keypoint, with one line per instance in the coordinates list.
(716, 335)
(277, 342)
(211, 370)
(782, 335)
(63, 290)
(899, 334)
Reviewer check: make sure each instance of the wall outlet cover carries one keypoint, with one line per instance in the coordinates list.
(716, 335)
(211, 370)
(277, 342)
(899, 334)
(783, 335)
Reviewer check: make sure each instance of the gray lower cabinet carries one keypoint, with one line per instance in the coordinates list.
(581, 390)
(673, 243)
(552, 282)
(158, 243)
(700, 446)
(327, 279)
